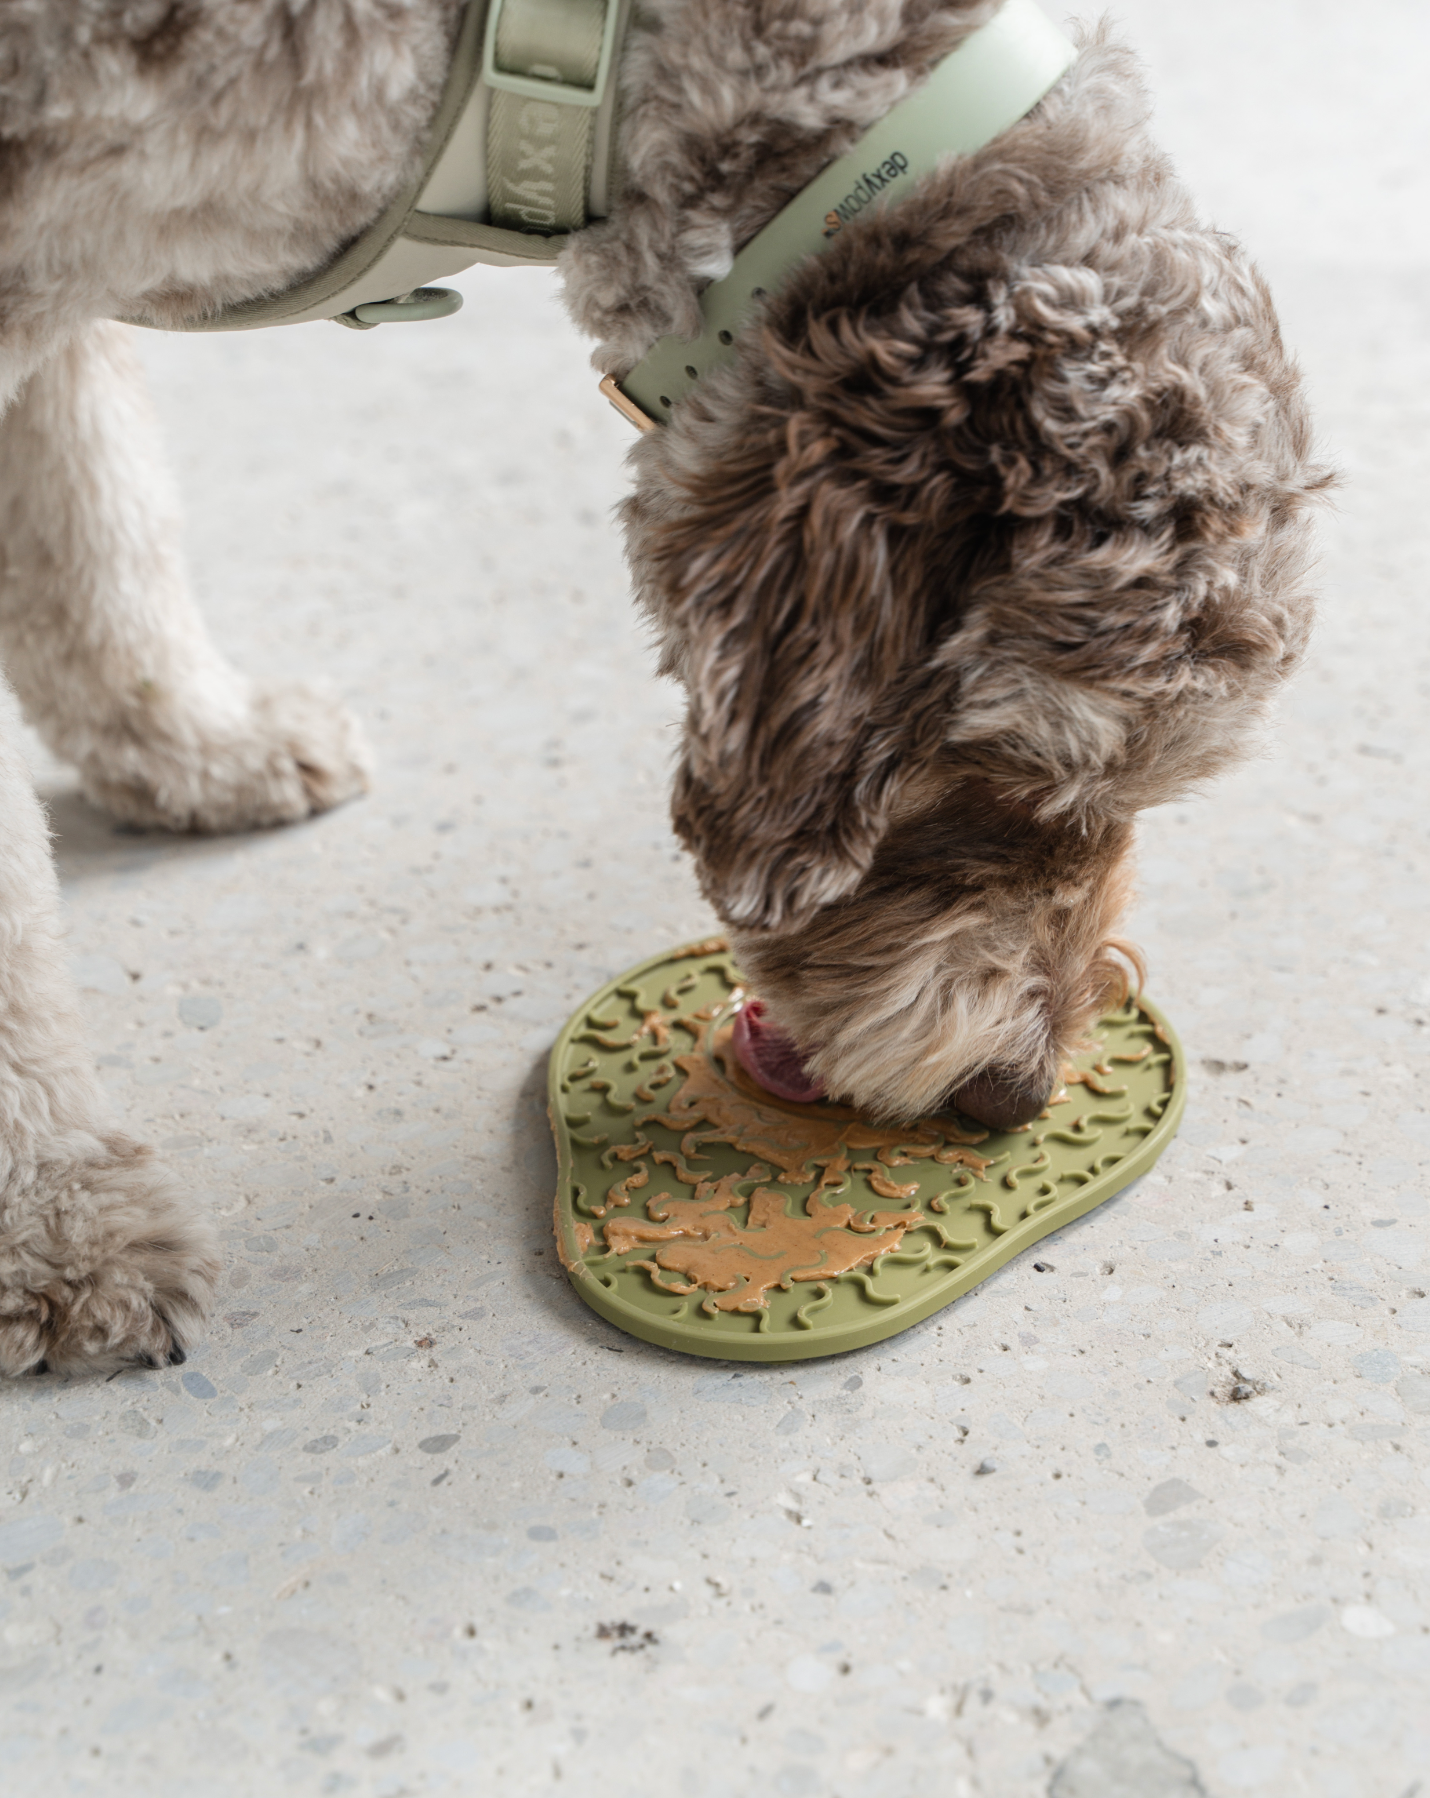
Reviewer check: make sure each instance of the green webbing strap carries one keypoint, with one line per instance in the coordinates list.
(995, 77)
(539, 137)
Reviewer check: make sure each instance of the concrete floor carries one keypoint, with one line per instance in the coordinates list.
(373, 1537)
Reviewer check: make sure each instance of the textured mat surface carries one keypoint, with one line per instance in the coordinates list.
(696, 1210)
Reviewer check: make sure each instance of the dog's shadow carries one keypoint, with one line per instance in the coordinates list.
(89, 844)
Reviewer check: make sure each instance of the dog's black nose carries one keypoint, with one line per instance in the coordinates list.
(1002, 1098)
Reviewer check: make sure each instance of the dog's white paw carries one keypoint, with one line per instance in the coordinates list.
(105, 1262)
(293, 752)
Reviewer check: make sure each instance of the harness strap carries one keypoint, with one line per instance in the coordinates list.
(541, 129)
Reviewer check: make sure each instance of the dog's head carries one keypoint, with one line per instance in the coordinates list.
(966, 964)
(920, 916)
(991, 538)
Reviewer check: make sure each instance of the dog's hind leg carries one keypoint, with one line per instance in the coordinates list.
(100, 638)
(105, 1260)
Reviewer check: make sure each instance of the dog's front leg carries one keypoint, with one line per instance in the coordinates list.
(104, 1259)
(106, 651)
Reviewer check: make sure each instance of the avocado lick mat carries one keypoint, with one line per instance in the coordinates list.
(697, 1211)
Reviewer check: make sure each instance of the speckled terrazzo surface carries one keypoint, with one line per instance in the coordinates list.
(1152, 1523)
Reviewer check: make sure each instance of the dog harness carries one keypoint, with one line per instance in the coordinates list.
(521, 152)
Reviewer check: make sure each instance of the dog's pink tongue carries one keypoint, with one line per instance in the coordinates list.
(769, 1056)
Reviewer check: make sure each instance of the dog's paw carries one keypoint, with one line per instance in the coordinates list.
(105, 1262)
(293, 752)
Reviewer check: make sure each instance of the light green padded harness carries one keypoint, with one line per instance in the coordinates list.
(521, 153)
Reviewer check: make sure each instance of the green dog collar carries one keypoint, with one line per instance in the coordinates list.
(994, 78)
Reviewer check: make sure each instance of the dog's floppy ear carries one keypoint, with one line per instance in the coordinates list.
(785, 592)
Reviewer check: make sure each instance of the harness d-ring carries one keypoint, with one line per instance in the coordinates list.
(408, 308)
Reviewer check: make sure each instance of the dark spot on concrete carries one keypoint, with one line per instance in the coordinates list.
(1241, 1387)
(200, 1011)
(627, 1638)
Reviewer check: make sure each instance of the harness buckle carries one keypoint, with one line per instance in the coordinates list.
(534, 87)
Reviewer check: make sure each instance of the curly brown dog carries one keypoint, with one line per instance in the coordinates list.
(993, 533)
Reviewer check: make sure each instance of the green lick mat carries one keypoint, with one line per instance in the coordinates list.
(697, 1211)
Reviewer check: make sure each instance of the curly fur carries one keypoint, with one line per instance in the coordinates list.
(728, 111)
(158, 158)
(994, 534)
(117, 671)
(1005, 494)
(162, 158)
(103, 1257)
